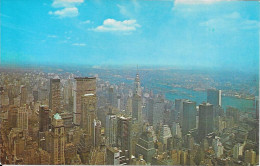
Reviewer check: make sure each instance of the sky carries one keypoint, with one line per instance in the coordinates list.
(180, 33)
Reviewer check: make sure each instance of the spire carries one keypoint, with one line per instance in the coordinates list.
(137, 86)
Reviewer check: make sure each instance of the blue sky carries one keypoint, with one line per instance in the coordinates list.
(209, 33)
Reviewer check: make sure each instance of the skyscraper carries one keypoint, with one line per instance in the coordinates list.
(111, 129)
(179, 109)
(22, 119)
(145, 146)
(97, 133)
(156, 110)
(217, 146)
(189, 116)
(55, 96)
(12, 117)
(165, 133)
(176, 130)
(44, 120)
(84, 85)
(214, 97)
(88, 114)
(137, 85)
(88, 111)
(137, 100)
(57, 140)
(205, 119)
(23, 91)
(124, 133)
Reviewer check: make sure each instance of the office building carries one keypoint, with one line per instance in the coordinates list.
(55, 96)
(57, 143)
(22, 119)
(23, 91)
(176, 130)
(214, 97)
(111, 129)
(145, 146)
(124, 133)
(205, 119)
(44, 118)
(83, 85)
(189, 116)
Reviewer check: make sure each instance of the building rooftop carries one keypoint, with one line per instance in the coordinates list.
(57, 116)
(81, 78)
(89, 94)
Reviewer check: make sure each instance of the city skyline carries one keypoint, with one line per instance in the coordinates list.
(129, 82)
(176, 33)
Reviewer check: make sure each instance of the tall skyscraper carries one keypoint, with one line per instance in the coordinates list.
(137, 108)
(155, 110)
(205, 119)
(124, 133)
(57, 140)
(97, 133)
(44, 119)
(22, 119)
(111, 129)
(176, 130)
(88, 114)
(145, 146)
(179, 109)
(24, 95)
(55, 96)
(189, 116)
(84, 85)
(165, 133)
(214, 97)
(137, 100)
(12, 117)
(137, 85)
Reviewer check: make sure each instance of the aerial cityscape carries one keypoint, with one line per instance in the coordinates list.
(95, 82)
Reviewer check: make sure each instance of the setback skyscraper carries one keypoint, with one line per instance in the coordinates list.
(137, 100)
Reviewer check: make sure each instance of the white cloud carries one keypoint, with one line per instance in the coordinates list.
(197, 1)
(69, 8)
(114, 25)
(66, 12)
(66, 3)
(79, 44)
(86, 22)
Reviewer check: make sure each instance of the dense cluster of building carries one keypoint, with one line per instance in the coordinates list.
(50, 119)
